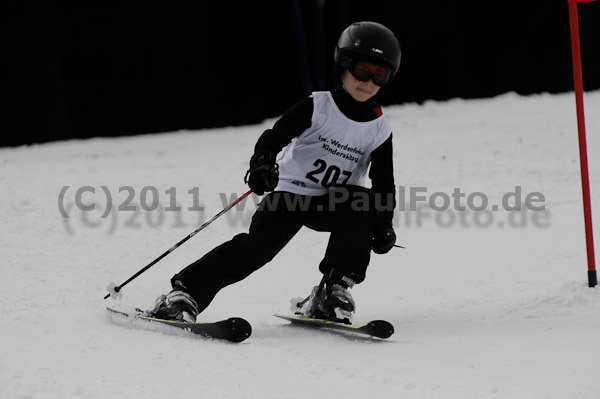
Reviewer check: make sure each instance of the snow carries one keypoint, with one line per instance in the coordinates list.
(485, 305)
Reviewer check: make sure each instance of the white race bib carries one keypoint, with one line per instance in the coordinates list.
(334, 150)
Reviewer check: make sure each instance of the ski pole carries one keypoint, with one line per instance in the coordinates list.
(114, 290)
(321, 284)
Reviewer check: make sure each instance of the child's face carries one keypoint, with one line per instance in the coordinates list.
(360, 91)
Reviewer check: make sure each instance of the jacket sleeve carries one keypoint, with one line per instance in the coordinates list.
(382, 178)
(291, 124)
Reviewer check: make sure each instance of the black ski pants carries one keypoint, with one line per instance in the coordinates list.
(348, 212)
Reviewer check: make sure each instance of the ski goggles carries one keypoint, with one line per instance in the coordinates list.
(363, 71)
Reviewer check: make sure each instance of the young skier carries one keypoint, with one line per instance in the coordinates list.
(330, 140)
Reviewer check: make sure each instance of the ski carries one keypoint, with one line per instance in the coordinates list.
(234, 329)
(376, 328)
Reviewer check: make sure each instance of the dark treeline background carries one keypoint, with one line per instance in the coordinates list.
(124, 68)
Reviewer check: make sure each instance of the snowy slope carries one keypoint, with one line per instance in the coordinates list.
(486, 305)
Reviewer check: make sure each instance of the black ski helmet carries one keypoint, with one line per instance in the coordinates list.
(367, 40)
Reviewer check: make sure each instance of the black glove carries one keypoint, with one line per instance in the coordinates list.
(263, 174)
(384, 240)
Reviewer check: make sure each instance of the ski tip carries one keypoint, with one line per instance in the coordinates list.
(242, 329)
(381, 328)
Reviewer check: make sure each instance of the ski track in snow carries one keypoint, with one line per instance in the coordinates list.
(495, 307)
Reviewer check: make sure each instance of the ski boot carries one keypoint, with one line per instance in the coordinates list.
(333, 302)
(176, 305)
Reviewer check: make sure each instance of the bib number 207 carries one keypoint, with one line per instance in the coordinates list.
(330, 174)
